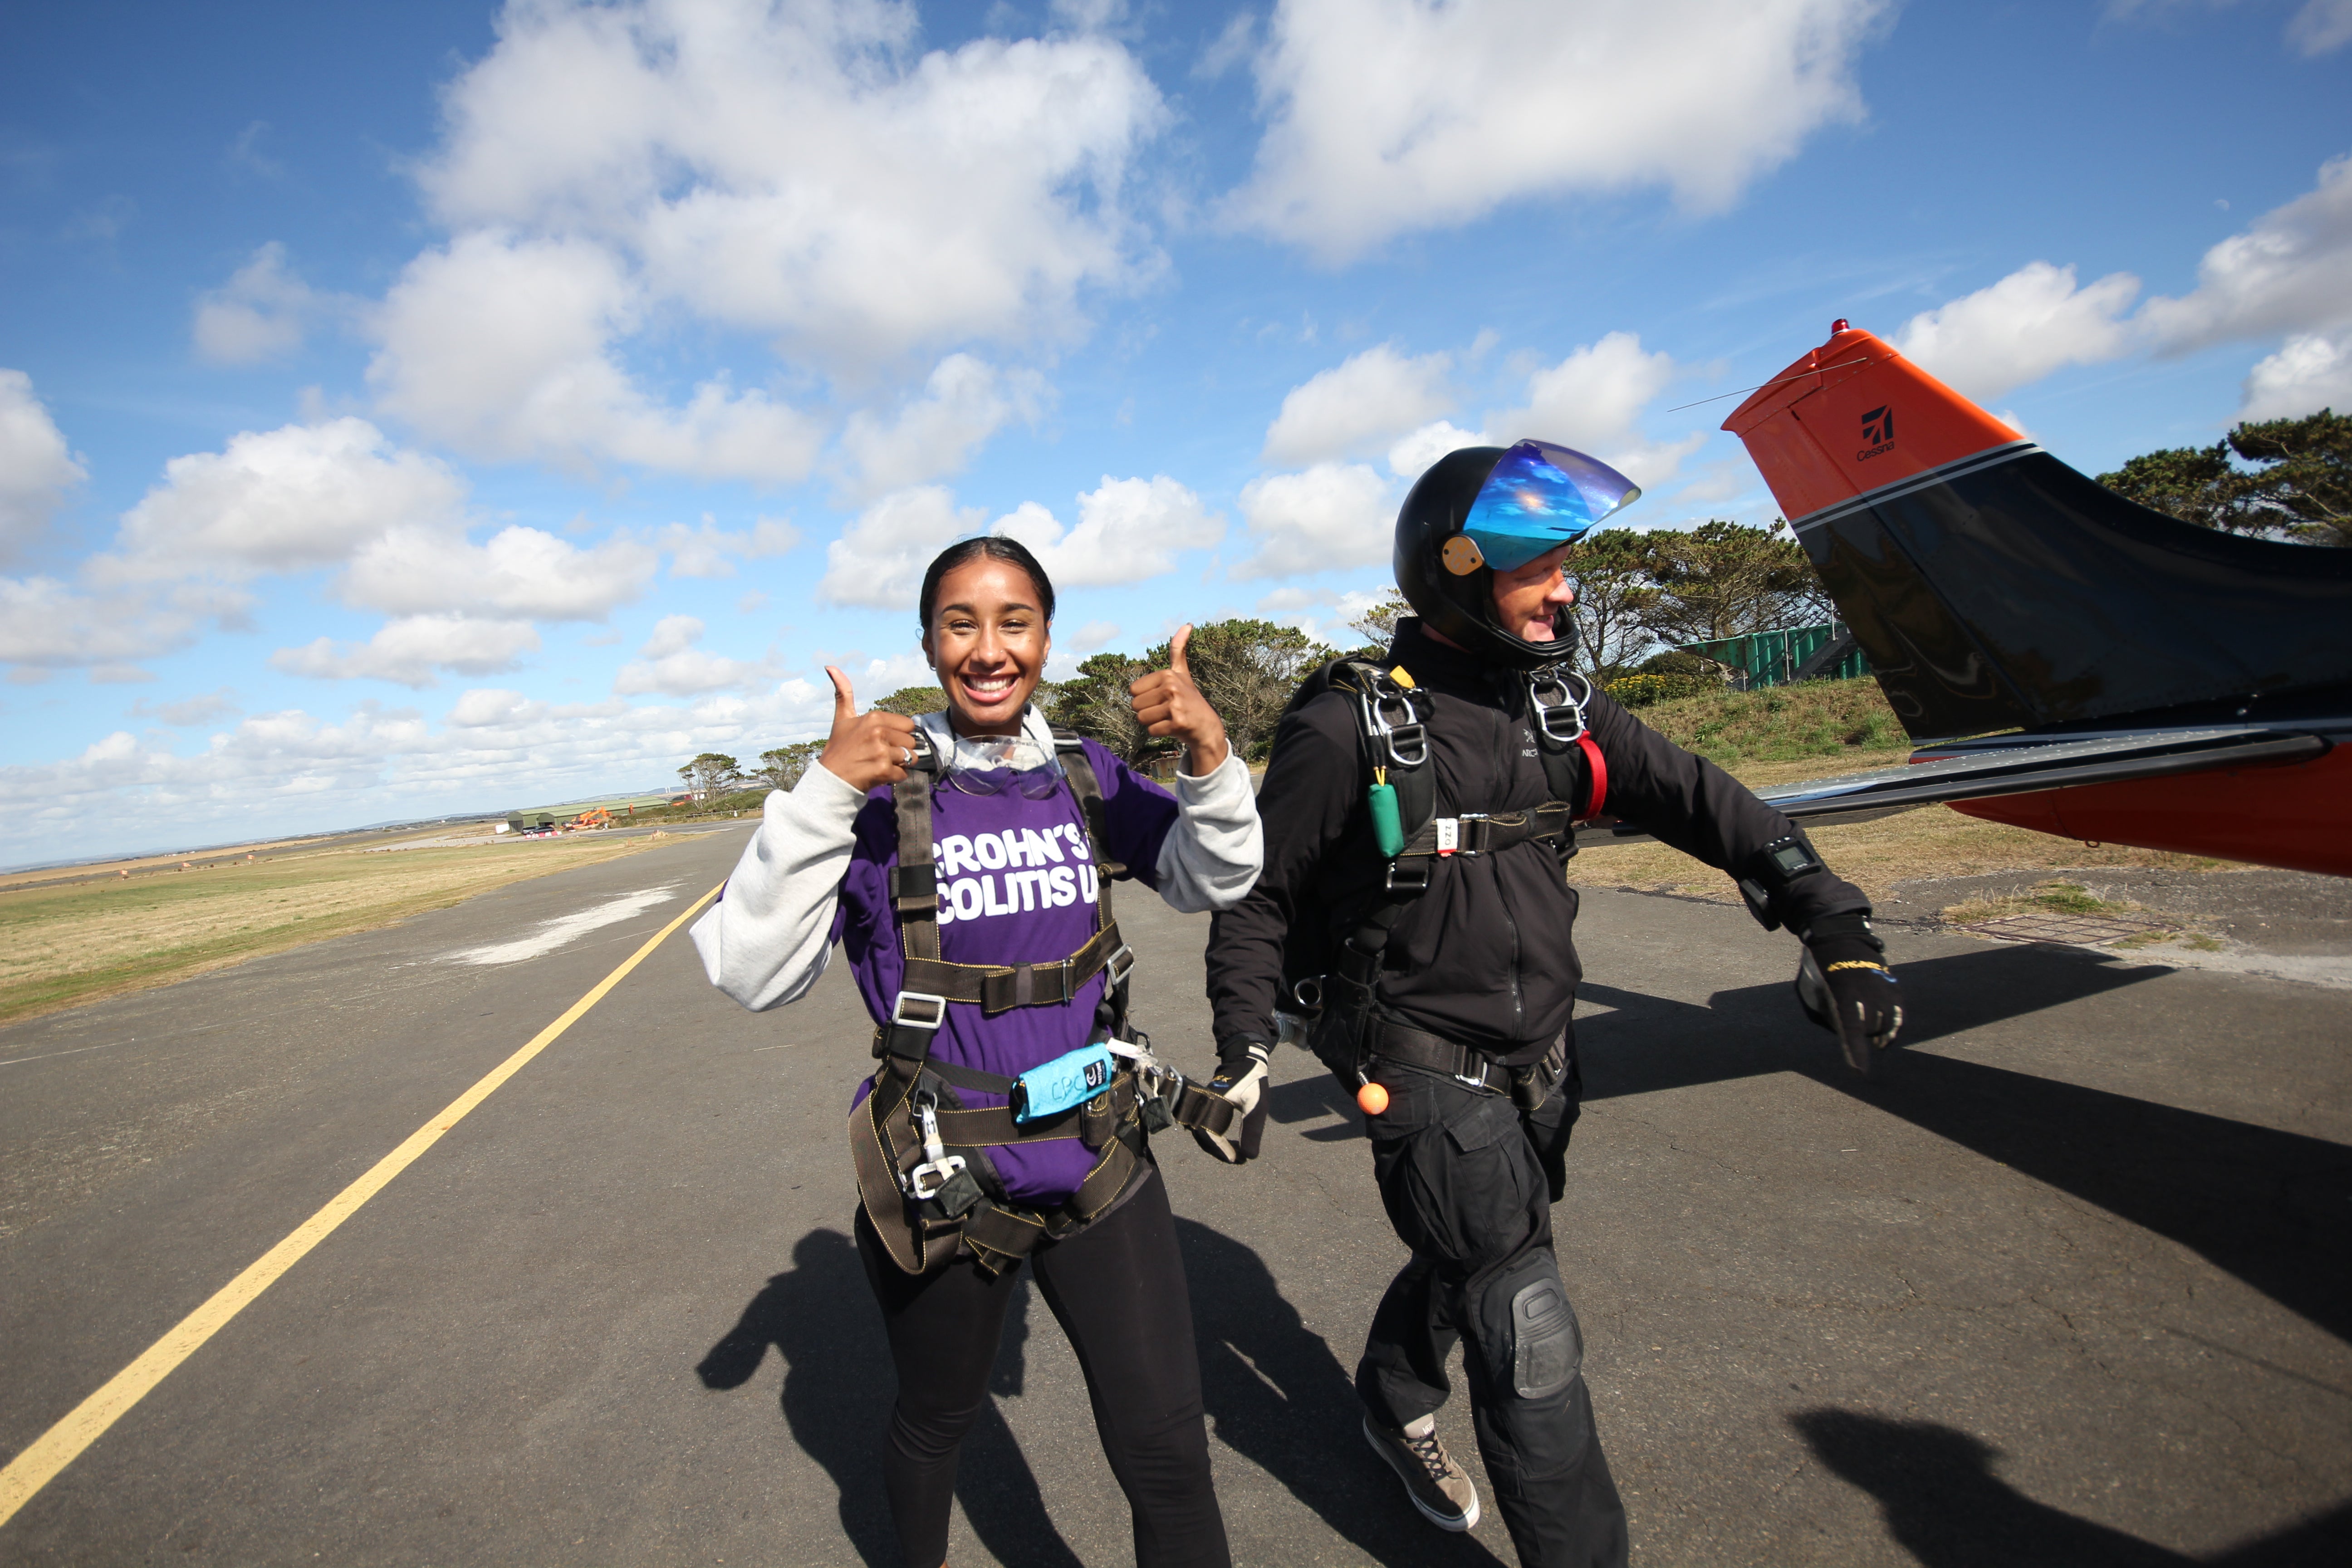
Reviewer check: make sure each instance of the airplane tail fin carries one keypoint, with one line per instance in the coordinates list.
(1994, 587)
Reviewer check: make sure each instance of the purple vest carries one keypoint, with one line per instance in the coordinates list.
(1017, 886)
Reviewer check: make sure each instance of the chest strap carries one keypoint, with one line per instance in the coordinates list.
(1483, 833)
(998, 988)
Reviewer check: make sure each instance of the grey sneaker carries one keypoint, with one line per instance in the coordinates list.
(1439, 1488)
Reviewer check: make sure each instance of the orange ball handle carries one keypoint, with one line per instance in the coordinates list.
(1373, 1099)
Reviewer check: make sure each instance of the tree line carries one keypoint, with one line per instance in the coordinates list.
(2292, 480)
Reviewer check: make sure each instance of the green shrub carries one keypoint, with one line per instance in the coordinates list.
(1641, 690)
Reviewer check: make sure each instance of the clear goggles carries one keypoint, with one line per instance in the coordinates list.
(993, 765)
(1538, 498)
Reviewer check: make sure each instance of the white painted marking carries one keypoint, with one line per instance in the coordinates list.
(566, 929)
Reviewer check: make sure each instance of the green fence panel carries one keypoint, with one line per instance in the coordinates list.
(1772, 658)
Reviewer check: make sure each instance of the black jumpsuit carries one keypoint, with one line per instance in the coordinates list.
(1484, 958)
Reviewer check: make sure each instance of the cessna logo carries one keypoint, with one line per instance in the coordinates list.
(1877, 432)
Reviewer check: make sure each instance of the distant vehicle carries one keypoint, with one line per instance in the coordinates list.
(538, 825)
(595, 817)
(2068, 660)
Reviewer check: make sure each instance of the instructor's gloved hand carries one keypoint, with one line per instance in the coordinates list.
(1847, 989)
(1241, 1079)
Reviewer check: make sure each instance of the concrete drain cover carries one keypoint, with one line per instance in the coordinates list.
(2080, 931)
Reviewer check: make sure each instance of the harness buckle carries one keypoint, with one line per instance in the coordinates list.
(1465, 834)
(1119, 966)
(1408, 876)
(939, 1166)
(1549, 697)
(926, 1180)
(1391, 715)
(939, 1005)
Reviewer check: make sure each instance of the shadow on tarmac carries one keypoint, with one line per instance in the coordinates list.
(820, 1316)
(1279, 1398)
(2272, 1208)
(1310, 1099)
(1946, 1507)
(1276, 1393)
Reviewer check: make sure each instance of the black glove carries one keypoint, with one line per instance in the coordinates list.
(1845, 986)
(1241, 1079)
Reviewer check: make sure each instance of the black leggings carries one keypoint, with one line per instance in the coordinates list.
(1117, 1289)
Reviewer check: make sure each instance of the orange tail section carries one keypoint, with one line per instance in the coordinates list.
(1995, 588)
(1853, 415)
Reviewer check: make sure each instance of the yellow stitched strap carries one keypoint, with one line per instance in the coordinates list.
(1856, 964)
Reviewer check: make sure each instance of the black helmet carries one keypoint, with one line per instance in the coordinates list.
(1488, 509)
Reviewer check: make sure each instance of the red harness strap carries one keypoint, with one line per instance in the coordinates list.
(1600, 776)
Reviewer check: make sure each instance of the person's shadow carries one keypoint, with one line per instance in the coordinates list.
(839, 1380)
(1944, 1505)
(1280, 1398)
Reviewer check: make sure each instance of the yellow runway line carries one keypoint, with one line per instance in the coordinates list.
(31, 1470)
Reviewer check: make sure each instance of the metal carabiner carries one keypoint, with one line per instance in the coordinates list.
(1548, 697)
(939, 1166)
(1407, 743)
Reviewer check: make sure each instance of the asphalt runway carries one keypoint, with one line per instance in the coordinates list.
(2072, 1284)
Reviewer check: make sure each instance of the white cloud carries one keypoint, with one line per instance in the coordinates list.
(518, 574)
(1333, 514)
(879, 559)
(409, 651)
(1094, 637)
(1127, 530)
(36, 468)
(670, 664)
(1412, 114)
(2031, 322)
(2311, 371)
(1413, 454)
(502, 348)
(275, 773)
(798, 170)
(262, 313)
(2291, 271)
(2320, 26)
(673, 634)
(1322, 614)
(2317, 27)
(1591, 401)
(279, 501)
(708, 550)
(191, 711)
(935, 432)
(1359, 406)
(45, 623)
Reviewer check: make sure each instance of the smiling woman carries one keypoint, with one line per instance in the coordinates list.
(61, 946)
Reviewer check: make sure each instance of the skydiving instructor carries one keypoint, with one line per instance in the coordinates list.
(965, 861)
(1418, 815)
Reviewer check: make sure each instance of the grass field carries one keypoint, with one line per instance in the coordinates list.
(1788, 734)
(61, 946)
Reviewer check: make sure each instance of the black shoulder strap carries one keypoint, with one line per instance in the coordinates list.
(1070, 748)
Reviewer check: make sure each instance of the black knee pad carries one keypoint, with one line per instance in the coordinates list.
(1539, 1348)
(1535, 1422)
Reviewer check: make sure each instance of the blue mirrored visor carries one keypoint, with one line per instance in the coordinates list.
(1540, 497)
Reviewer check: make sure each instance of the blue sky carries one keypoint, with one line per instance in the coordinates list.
(443, 407)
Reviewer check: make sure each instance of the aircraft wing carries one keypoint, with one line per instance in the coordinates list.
(2015, 765)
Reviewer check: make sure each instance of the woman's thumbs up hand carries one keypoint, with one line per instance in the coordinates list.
(1167, 703)
(866, 748)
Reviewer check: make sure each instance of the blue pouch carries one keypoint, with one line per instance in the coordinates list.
(1051, 1088)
